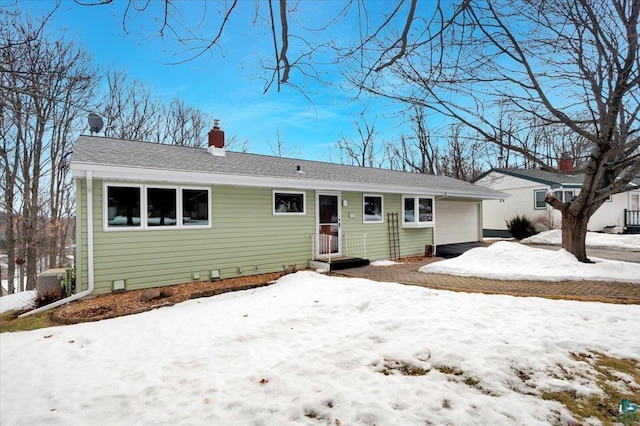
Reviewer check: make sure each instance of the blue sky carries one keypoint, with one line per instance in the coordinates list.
(225, 82)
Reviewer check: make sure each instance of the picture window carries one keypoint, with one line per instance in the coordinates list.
(288, 203)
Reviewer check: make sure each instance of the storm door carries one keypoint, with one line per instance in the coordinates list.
(328, 208)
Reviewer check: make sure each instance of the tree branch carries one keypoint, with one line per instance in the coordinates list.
(402, 40)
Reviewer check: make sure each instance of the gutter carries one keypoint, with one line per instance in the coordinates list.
(89, 290)
(119, 173)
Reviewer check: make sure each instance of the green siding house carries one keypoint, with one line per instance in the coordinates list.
(151, 215)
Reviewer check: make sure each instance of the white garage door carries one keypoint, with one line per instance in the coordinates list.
(456, 222)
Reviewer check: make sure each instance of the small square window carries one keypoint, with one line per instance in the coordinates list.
(288, 202)
(372, 206)
(123, 206)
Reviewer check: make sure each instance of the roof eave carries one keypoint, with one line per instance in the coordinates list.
(100, 171)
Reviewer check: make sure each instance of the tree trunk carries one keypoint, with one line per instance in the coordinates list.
(574, 233)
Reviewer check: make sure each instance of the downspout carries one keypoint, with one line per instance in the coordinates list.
(89, 290)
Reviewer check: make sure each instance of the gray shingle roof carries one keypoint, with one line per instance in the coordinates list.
(101, 151)
(554, 180)
(541, 176)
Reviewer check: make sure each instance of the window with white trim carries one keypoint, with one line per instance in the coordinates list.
(564, 195)
(538, 199)
(123, 206)
(289, 203)
(372, 209)
(195, 207)
(417, 211)
(161, 206)
(165, 207)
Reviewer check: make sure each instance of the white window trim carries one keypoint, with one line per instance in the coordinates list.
(181, 212)
(178, 206)
(416, 223)
(535, 206)
(381, 208)
(564, 194)
(105, 206)
(143, 207)
(284, 191)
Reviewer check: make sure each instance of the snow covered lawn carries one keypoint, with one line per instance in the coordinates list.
(312, 350)
(630, 242)
(513, 261)
(17, 301)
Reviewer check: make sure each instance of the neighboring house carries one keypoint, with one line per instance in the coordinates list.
(151, 214)
(528, 189)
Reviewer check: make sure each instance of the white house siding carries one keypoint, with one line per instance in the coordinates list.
(521, 202)
(457, 221)
(495, 213)
(610, 213)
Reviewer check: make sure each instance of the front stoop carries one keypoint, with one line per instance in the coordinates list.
(338, 264)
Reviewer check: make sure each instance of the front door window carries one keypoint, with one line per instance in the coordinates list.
(328, 224)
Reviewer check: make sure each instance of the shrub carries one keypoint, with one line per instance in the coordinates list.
(47, 298)
(520, 227)
(546, 221)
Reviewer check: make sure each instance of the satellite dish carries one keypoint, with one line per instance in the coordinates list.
(95, 123)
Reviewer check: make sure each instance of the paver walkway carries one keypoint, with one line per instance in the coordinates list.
(407, 273)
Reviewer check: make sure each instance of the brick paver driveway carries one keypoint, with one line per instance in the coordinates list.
(407, 273)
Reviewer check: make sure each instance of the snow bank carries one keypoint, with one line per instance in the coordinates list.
(629, 242)
(383, 263)
(17, 301)
(513, 261)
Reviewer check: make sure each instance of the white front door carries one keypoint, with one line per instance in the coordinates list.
(328, 208)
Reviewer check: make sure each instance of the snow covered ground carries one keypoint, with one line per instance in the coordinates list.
(17, 301)
(312, 350)
(630, 242)
(506, 260)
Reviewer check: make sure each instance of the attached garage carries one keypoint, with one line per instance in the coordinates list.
(458, 222)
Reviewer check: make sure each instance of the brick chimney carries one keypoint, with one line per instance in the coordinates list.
(566, 162)
(216, 139)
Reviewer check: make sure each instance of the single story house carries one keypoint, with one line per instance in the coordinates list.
(150, 214)
(528, 189)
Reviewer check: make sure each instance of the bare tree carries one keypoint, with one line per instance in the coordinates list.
(459, 157)
(129, 109)
(419, 152)
(132, 111)
(279, 147)
(185, 125)
(45, 81)
(298, 39)
(570, 63)
(234, 144)
(362, 152)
